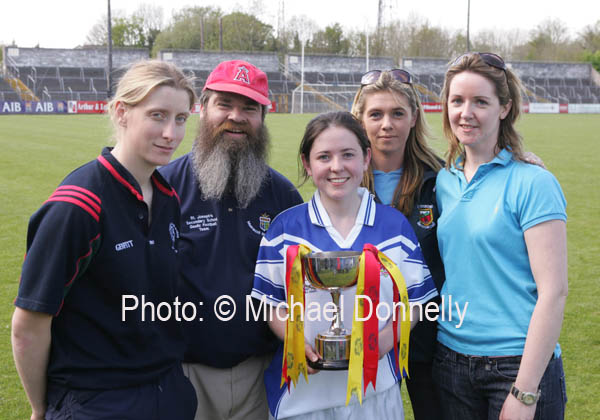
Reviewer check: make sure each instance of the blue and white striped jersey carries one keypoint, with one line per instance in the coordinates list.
(309, 224)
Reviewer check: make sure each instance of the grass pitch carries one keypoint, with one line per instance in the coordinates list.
(39, 151)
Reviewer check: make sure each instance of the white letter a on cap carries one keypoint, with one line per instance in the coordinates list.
(242, 75)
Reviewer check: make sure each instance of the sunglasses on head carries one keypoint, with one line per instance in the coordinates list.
(490, 59)
(372, 76)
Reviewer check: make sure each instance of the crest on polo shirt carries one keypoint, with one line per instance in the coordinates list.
(174, 233)
(425, 216)
(242, 75)
(264, 222)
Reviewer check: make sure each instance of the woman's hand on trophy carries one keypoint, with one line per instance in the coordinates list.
(313, 356)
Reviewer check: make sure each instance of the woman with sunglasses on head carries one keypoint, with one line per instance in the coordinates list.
(502, 237)
(341, 216)
(402, 174)
(104, 240)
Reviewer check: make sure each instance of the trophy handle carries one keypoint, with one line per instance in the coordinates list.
(337, 326)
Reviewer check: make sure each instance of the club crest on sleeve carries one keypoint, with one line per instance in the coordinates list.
(425, 216)
(242, 75)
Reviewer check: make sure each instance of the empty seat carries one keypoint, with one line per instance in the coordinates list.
(11, 96)
(70, 72)
(24, 72)
(202, 73)
(49, 83)
(274, 76)
(89, 72)
(5, 87)
(345, 78)
(44, 72)
(571, 82)
(277, 86)
(328, 78)
(311, 77)
(554, 90)
(59, 96)
(90, 96)
(556, 81)
(76, 84)
(540, 91)
(100, 84)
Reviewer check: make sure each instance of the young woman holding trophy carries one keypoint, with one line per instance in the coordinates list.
(344, 240)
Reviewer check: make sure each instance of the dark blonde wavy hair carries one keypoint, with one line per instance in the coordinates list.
(508, 88)
(418, 156)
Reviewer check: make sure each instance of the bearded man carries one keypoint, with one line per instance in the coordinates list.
(229, 195)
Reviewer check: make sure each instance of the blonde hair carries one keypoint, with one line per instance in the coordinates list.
(507, 87)
(143, 76)
(418, 156)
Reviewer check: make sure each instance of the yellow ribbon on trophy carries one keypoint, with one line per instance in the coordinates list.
(357, 346)
(294, 359)
(400, 286)
(356, 339)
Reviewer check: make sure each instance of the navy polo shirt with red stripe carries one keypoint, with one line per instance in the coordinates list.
(88, 247)
(219, 246)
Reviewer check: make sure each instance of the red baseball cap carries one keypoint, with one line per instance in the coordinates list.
(240, 77)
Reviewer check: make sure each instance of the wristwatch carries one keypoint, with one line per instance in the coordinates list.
(527, 398)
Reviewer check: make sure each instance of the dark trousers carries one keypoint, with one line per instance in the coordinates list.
(172, 396)
(423, 392)
(475, 387)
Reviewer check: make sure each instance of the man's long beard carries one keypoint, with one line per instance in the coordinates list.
(222, 165)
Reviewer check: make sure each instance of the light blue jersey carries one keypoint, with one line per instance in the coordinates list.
(385, 184)
(481, 238)
(309, 224)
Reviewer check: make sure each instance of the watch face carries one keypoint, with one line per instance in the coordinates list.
(528, 398)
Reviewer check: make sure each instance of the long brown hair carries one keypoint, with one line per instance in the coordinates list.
(418, 156)
(508, 88)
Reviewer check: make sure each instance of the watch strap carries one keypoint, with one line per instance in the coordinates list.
(527, 398)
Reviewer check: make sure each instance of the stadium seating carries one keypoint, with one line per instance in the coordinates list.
(80, 74)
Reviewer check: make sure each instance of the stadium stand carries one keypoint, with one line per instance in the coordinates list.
(330, 81)
(65, 74)
(543, 81)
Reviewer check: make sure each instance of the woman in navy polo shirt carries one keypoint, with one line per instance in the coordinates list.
(502, 237)
(402, 175)
(101, 256)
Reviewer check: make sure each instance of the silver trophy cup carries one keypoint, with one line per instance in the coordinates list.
(332, 271)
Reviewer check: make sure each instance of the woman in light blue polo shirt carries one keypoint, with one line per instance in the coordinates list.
(502, 237)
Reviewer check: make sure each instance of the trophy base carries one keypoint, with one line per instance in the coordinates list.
(335, 350)
(328, 364)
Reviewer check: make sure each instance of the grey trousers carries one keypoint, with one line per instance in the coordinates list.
(232, 393)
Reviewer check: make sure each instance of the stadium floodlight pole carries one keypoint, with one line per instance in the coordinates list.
(468, 24)
(302, 81)
(109, 72)
(367, 50)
